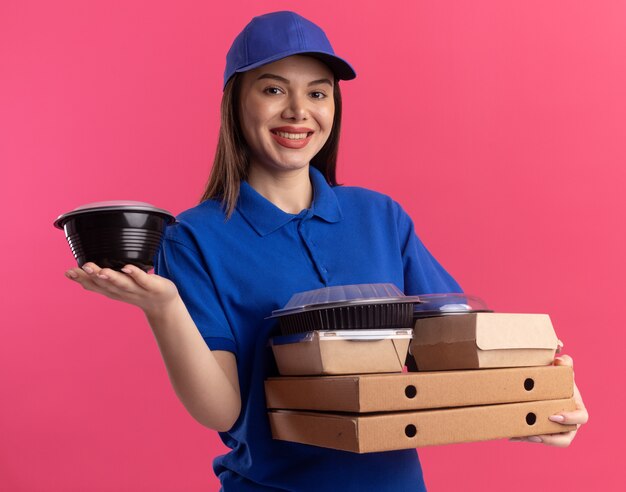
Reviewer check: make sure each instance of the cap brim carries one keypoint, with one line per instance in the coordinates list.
(341, 68)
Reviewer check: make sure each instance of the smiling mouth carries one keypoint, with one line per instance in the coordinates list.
(292, 136)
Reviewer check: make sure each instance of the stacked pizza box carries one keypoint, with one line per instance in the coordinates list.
(476, 375)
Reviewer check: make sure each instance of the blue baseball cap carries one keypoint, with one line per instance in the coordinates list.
(277, 35)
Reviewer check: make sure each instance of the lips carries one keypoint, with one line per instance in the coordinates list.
(292, 137)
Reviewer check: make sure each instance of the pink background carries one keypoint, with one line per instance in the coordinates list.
(500, 126)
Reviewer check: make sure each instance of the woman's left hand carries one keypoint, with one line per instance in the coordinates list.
(576, 417)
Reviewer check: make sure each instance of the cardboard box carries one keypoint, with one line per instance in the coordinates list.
(404, 430)
(479, 340)
(412, 391)
(342, 352)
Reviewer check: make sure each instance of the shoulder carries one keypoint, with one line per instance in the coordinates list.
(362, 196)
(366, 200)
(206, 211)
(195, 222)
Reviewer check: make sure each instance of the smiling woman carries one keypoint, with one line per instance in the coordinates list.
(273, 222)
(293, 103)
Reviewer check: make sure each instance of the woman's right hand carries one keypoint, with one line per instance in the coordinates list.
(133, 285)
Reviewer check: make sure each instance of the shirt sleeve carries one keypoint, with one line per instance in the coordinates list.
(422, 272)
(182, 264)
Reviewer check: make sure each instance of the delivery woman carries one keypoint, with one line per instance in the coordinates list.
(272, 222)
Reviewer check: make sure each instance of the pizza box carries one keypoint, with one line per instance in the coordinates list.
(413, 391)
(404, 430)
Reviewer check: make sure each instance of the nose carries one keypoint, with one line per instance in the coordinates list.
(296, 108)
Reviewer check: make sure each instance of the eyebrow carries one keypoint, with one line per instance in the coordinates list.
(285, 81)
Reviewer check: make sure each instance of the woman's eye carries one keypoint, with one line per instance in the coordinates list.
(318, 95)
(272, 90)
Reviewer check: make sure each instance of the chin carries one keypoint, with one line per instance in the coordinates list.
(292, 166)
(296, 162)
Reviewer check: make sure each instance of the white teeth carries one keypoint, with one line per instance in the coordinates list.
(291, 136)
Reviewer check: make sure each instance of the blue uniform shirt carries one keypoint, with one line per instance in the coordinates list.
(232, 274)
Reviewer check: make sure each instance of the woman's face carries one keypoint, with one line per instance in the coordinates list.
(286, 112)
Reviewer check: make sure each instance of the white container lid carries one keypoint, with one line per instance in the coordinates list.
(356, 335)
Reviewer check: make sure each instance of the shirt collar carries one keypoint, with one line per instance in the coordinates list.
(265, 217)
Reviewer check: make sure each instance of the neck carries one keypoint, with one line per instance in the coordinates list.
(290, 191)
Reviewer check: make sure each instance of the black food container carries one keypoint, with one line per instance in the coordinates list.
(347, 307)
(115, 233)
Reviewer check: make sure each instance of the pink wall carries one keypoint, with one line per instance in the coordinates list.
(500, 126)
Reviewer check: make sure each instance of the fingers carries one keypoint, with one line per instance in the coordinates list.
(138, 276)
(132, 285)
(564, 360)
(560, 440)
(106, 280)
(577, 417)
(535, 439)
(84, 276)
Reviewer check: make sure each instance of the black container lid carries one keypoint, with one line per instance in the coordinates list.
(344, 296)
(113, 206)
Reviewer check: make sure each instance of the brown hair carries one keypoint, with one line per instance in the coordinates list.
(230, 165)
